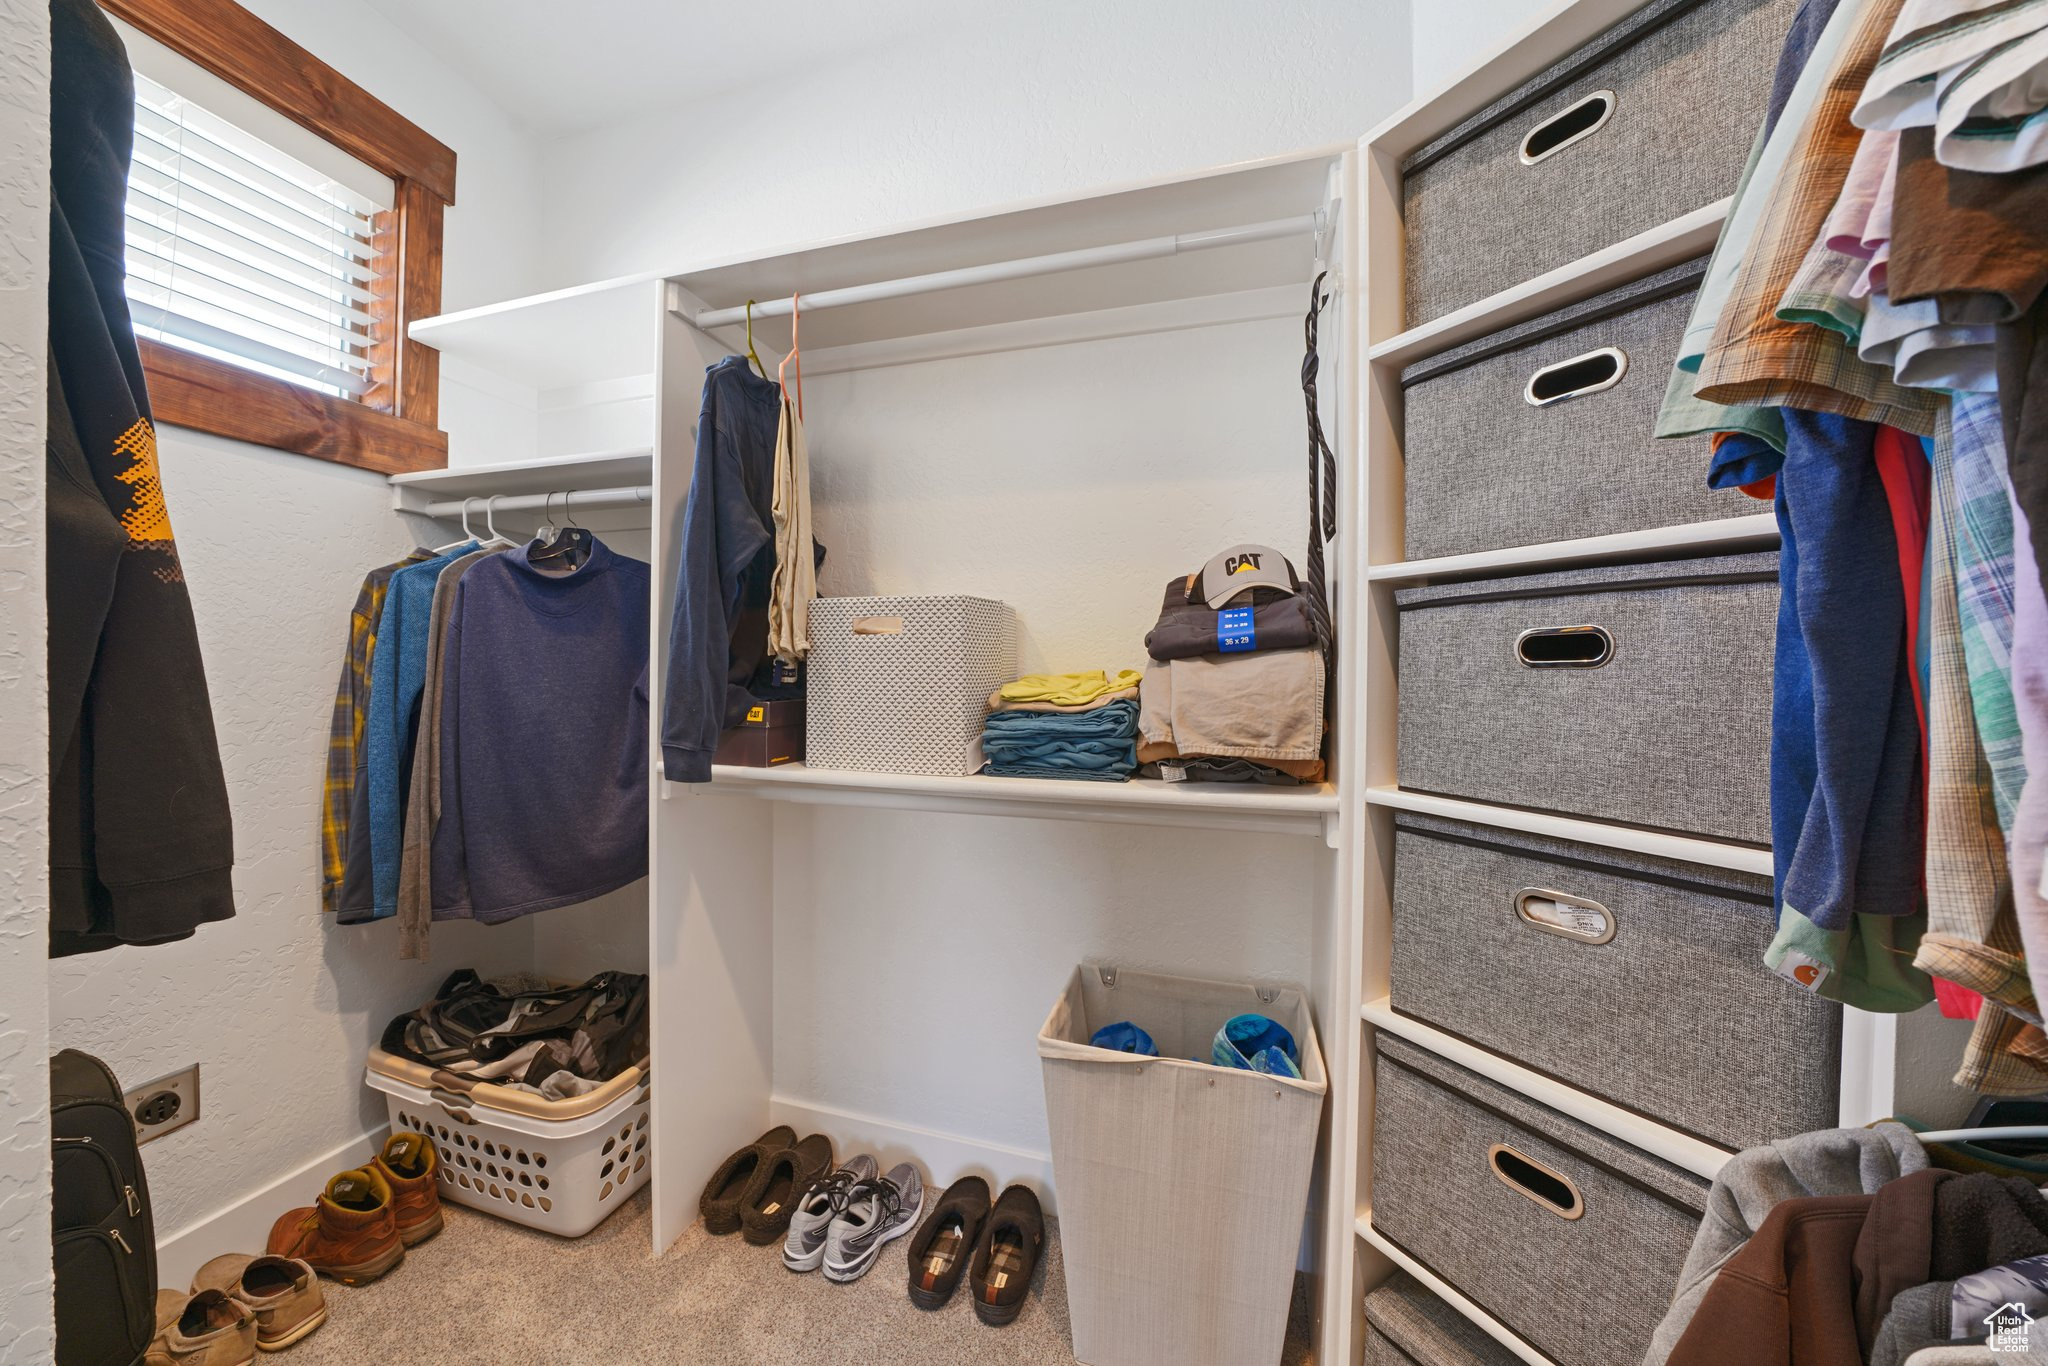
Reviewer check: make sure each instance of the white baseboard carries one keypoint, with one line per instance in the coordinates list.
(244, 1225)
(944, 1158)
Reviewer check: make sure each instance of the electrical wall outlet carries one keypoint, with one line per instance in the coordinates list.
(160, 1106)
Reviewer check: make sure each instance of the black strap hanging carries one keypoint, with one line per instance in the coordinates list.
(1322, 479)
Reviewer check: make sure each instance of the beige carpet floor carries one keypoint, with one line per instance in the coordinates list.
(490, 1293)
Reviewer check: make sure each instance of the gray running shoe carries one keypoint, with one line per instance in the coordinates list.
(877, 1212)
(817, 1207)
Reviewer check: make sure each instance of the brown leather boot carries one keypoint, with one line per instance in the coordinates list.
(351, 1234)
(413, 1169)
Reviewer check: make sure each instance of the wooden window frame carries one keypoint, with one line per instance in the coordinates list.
(393, 427)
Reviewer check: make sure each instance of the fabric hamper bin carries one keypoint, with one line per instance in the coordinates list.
(1639, 694)
(1650, 120)
(560, 1166)
(1630, 977)
(1182, 1186)
(1570, 1238)
(1506, 436)
(900, 685)
(1405, 1325)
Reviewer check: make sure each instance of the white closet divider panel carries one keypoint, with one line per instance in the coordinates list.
(710, 891)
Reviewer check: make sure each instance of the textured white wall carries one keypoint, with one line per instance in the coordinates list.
(910, 984)
(25, 1325)
(1021, 101)
(279, 1005)
(1449, 35)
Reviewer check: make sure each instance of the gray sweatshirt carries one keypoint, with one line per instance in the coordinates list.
(1826, 1162)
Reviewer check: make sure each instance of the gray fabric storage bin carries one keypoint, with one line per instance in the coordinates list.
(1405, 1325)
(1654, 996)
(1671, 732)
(1688, 80)
(1584, 1290)
(1489, 467)
(1183, 1186)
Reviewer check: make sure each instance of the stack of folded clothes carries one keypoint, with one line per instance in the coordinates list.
(1233, 691)
(1079, 725)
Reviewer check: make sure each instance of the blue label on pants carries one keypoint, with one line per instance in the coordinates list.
(1235, 631)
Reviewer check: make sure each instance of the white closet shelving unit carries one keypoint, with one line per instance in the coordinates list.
(1230, 246)
(1225, 257)
(1869, 1041)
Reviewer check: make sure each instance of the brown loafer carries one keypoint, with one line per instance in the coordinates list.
(720, 1203)
(772, 1194)
(350, 1233)
(282, 1293)
(412, 1168)
(206, 1329)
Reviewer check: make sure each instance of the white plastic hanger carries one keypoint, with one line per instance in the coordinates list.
(491, 523)
(466, 536)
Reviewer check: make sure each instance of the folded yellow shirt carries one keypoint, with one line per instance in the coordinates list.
(1067, 689)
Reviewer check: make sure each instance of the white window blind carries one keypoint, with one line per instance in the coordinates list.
(240, 251)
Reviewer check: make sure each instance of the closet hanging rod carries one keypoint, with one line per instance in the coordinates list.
(537, 502)
(2026, 1131)
(1301, 225)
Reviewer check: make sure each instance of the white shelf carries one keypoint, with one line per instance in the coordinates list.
(564, 337)
(1228, 806)
(1444, 1291)
(1756, 531)
(1682, 1150)
(590, 470)
(1712, 853)
(1276, 188)
(1681, 239)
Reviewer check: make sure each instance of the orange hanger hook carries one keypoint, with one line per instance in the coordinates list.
(795, 354)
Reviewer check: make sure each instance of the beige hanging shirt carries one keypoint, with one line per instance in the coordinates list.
(796, 565)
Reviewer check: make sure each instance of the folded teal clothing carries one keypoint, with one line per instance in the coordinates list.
(1101, 745)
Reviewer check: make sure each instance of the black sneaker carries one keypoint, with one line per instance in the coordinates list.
(942, 1247)
(720, 1203)
(781, 1178)
(1006, 1256)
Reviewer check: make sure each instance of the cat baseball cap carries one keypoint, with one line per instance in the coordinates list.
(1239, 568)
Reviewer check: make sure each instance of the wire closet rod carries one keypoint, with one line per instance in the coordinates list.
(1023, 268)
(538, 502)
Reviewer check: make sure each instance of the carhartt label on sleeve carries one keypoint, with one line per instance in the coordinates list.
(1235, 631)
(1803, 970)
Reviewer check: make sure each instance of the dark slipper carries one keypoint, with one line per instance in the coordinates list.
(720, 1203)
(944, 1244)
(782, 1177)
(1006, 1256)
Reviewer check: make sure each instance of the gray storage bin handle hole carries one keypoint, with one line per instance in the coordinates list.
(1577, 377)
(1561, 913)
(1564, 647)
(1575, 123)
(1525, 1176)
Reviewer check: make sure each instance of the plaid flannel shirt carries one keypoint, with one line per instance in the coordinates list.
(1972, 936)
(1755, 357)
(345, 729)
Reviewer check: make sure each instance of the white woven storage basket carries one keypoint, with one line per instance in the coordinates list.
(900, 685)
(558, 1175)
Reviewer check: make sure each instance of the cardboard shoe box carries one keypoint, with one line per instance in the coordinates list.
(771, 735)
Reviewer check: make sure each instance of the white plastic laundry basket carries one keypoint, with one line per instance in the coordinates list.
(900, 685)
(1183, 1186)
(559, 1166)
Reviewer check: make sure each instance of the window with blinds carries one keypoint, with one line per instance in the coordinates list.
(240, 251)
